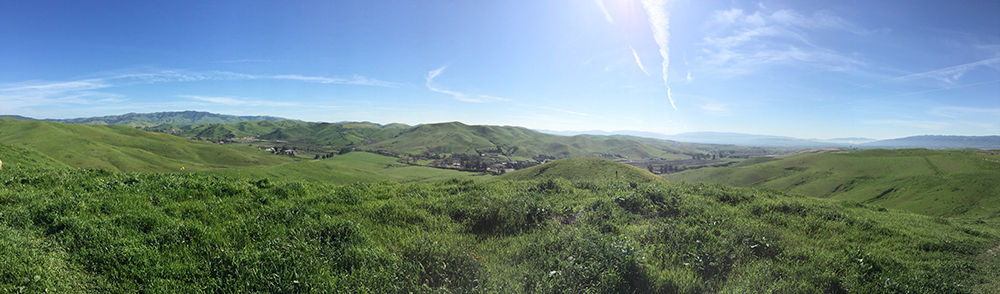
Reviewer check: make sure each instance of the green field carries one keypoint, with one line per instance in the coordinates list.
(92, 230)
(932, 182)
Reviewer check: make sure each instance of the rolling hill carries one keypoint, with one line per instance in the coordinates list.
(933, 182)
(124, 148)
(456, 137)
(225, 130)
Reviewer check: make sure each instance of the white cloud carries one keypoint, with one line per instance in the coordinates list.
(354, 80)
(458, 95)
(637, 61)
(715, 108)
(671, 99)
(930, 125)
(659, 21)
(231, 101)
(607, 16)
(957, 111)
(728, 16)
(745, 43)
(22, 97)
(564, 111)
(689, 79)
(950, 74)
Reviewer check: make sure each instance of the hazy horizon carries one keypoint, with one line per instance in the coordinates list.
(820, 69)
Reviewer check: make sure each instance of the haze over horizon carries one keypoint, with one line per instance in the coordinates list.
(815, 69)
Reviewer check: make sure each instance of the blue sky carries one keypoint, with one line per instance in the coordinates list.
(809, 69)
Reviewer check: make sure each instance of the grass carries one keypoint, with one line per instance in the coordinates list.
(96, 230)
(932, 182)
(127, 149)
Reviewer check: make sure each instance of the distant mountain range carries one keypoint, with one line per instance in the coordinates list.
(741, 139)
(173, 120)
(158, 118)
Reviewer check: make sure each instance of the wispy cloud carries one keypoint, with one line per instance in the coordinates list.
(923, 124)
(951, 74)
(957, 111)
(607, 16)
(689, 79)
(637, 60)
(715, 108)
(233, 101)
(354, 80)
(659, 22)
(565, 111)
(744, 43)
(671, 98)
(458, 95)
(20, 97)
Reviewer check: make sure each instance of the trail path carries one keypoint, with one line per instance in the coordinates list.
(993, 251)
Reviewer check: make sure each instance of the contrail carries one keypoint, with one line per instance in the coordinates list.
(659, 21)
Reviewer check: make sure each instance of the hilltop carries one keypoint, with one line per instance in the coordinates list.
(933, 182)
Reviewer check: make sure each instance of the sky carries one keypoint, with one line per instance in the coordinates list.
(806, 69)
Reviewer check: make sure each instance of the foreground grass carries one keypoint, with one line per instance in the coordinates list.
(87, 230)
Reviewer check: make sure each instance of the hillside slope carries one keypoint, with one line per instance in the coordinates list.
(456, 137)
(17, 157)
(933, 182)
(127, 149)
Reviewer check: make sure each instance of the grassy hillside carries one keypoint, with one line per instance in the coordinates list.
(339, 134)
(345, 169)
(84, 230)
(583, 169)
(13, 156)
(125, 148)
(225, 130)
(933, 182)
(520, 142)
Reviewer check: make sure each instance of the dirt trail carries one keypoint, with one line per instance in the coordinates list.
(993, 251)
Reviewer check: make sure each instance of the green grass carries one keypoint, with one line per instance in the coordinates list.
(128, 149)
(583, 169)
(347, 168)
(13, 156)
(94, 230)
(932, 182)
(456, 137)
